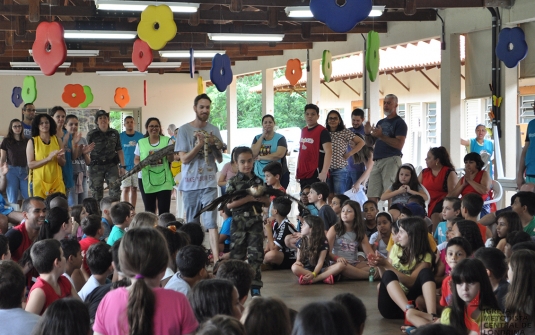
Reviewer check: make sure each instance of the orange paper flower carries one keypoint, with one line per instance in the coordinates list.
(293, 71)
(73, 95)
(121, 98)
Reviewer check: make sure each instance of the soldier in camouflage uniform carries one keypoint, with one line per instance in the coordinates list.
(246, 230)
(105, 158)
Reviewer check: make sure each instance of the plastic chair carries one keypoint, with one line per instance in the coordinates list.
(497, 191)
(428, 197)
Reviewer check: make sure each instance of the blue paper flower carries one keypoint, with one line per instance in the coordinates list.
(512, 46)
(16, 96)
(191, 63)
(221, 72)
(341, 19)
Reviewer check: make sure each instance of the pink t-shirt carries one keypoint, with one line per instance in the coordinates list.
(227, 171)
(173, 313)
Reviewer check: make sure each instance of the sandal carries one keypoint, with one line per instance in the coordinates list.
(410, 304)
(303, 281)
(329, 280)
(407, 329)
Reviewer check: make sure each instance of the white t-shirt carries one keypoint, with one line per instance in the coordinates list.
(91, 284)
(176, 283)
(382, 245)
(197, 174)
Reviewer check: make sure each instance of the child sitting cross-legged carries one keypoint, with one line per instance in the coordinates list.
(278, 254)
(48, 260)
(312, 250)
(346, 237)
(457, 249)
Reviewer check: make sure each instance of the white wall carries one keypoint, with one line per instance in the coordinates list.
(169, 97)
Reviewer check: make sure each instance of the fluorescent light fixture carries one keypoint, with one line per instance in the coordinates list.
(120, 73)
(245, 37)
(155, 65)
(100, 34)
(34, 64)
(77, 53)
(298, 11)
(139, 6)
(22, 72)
(377, 11)
(185, 53)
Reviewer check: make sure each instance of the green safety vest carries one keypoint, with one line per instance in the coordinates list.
(155, 178)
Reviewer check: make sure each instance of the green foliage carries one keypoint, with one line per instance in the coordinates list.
(116, 121)
(288, 109)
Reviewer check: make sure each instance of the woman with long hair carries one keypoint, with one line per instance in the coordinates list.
(341, 137)
(439, 178)
(13, 152)
(268, 147)
(155, 181)
(79, 151)
(45, 156)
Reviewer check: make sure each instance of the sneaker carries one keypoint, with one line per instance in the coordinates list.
(255, 292)
(329, 280)
(302, 281)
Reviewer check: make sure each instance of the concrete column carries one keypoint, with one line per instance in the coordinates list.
(374, 109)
(268, 104)
(313, 83)
(232, 112)
(509, 110)
(450, 104)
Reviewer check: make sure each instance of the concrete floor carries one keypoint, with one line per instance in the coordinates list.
(283, 284)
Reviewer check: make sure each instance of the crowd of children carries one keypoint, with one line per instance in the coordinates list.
(101, 267)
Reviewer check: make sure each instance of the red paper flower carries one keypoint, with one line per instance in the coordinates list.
(73, 95)
(121, 98)
(49, 49)
(141, 55)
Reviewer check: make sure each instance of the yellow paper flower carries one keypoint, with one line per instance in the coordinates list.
(157, 26)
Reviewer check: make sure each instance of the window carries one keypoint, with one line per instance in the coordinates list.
(402, 111)
(526, 111)
(431, 123)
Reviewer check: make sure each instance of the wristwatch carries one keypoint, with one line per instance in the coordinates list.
(122, 166)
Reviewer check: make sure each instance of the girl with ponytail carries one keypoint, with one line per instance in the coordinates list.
(144, 307)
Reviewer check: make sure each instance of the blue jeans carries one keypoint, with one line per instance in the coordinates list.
(352, 177)
(77, 198)
(17, 180)
(337, 180)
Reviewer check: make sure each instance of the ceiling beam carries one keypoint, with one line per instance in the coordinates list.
(430, 4)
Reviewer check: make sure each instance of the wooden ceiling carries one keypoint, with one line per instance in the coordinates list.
(19, 19)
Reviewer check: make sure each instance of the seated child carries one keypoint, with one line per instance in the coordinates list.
(379, 239)
(165, 218)
(120, 214)
(74, 260)
(506, 222)
(191, 262)
(13, 318)
(278, 254)
(5, 253)
(494, 261)
(336, 203)
(194, 231)
(312, 210)
(93, 229)
(224, 233)
(451, 209)
(105, 206)
(239, 273)
(99, 260)
(514, 238)
(48, 260)
(311, 263)
(370, 212)
(319, 193)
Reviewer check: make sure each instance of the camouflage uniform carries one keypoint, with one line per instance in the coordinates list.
(104, 162)
(246, 230)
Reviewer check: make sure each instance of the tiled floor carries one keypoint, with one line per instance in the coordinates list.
(283, 284)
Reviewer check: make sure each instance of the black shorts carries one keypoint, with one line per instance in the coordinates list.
(438, 207)
(287, 262)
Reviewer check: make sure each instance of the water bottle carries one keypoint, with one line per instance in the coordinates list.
(371, 274)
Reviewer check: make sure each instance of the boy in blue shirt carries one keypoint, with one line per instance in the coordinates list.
(129, 139)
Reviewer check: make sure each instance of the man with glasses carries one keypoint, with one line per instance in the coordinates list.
(28, 113)
(527, 158)
(105, 158)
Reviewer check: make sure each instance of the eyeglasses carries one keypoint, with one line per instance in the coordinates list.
(19, 126)
(30, 110)
(152, 126)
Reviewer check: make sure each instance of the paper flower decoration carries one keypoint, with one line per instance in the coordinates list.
(293, 71)
(157, 26)
(88, 97)
(372, 54)
(49, 49)
(341, 18)
(512, 46)
(200, 86)
(191, 63)
(144, 92)
(221, 72)
(326, 65)
(29, 90)
(141, 55)
(16, 96)
(121, 98)
(73, 95)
